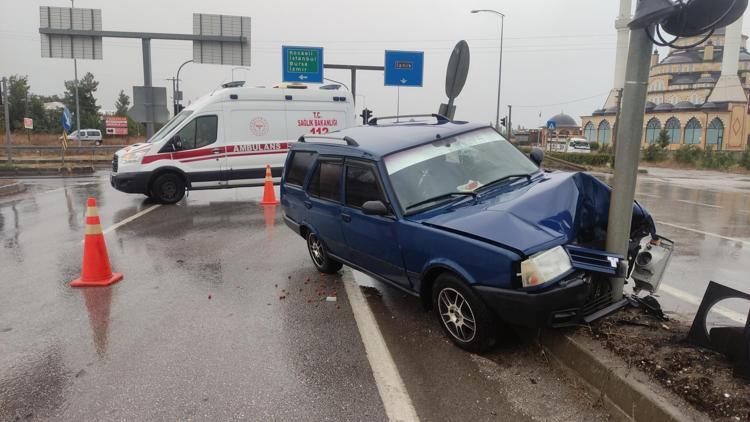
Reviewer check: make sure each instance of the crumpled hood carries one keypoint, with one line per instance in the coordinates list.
(557, 209)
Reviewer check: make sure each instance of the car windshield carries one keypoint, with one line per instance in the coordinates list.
(176, 120)
(459, 164)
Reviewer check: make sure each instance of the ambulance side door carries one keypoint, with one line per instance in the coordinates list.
(256, 136)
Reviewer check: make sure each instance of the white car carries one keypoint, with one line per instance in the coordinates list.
(87, 135)
(579, 145)
(226, 138)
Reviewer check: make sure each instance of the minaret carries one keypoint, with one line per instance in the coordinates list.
(621, 57)
(729, 88)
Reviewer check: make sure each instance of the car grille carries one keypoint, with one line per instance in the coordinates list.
(599, 298)
(114, 163)
(591, 260)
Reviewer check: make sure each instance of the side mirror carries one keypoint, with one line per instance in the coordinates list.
(537, 155)
(374, 208)
(176, 143)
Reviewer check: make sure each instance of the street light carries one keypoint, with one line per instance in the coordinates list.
(500, 71)
(176, 101)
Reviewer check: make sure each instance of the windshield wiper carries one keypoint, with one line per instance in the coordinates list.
(443, 196)
(504, 178)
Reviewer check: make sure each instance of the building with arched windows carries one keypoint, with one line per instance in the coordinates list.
(699, 95)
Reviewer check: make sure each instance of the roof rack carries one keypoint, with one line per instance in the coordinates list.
(349, 141)
(440, 118)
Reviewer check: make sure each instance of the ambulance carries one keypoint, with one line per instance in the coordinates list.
(226, 138)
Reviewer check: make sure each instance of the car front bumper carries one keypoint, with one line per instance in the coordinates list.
(564, 304)
(130, 182)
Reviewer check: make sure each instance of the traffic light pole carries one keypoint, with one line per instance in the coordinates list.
(510, 125)
(627, 149)
(9, 150)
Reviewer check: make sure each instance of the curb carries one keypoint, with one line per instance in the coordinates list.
(12, 189)
(63, 172)
(626, 392)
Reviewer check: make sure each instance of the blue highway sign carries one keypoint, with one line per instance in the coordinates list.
(404, 68)
(302, 64)
(551, 125)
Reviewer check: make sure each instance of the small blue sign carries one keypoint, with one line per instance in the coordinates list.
(551, 125)
(67, 119)
(404, 68)
(302, 64)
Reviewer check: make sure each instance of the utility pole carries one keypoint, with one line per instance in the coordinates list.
(500, 70)
(174, 94)
(510, 125)
(75, 75)
(9, 150)
(617, 117)
(627, 150)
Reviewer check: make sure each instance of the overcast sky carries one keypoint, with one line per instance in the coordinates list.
(558, 55)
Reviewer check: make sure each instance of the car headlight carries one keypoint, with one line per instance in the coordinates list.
(133, 157)
(545, 266)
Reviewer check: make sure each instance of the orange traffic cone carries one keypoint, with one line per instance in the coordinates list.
(96, 268)
(269, 195)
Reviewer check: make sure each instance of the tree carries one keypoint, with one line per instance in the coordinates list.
(37, 112)
(663, 139)
(87, 102)
(122, 104)
(18, 92)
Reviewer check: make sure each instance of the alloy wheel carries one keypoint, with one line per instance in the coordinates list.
(456, 315)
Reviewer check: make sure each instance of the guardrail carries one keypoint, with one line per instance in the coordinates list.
(71, 149)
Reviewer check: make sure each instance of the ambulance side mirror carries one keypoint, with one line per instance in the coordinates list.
(176, 143)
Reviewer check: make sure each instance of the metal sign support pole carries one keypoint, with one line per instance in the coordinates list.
(8, 147)
(398, 101)
(354, 86)
(146, 46)
(627, 150)
(78, 108)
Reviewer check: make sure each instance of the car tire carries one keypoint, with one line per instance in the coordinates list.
(168, 188)
(97, 143)
(462, 315)
(320, 258)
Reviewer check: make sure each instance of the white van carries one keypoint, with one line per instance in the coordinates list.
(579, 145)
(225, 139)
(86, 135)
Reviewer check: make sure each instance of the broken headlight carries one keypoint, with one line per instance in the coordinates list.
(545, 266)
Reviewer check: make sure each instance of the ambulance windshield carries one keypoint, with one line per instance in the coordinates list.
(176, 120)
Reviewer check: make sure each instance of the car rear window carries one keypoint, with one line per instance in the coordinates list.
(297, 170)
(325, 181)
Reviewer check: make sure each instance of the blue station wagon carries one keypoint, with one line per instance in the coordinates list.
(455, 214)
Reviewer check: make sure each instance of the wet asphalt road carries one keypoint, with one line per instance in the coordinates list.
(216, 318)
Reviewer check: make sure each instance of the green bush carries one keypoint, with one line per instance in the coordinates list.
(594, 160)
(654, 153)
(688, 154)
(717, 160)
(744, 160)
(594, 146)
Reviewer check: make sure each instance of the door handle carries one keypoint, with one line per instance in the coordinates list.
(308, 204)
(216, 151)
(346, 217)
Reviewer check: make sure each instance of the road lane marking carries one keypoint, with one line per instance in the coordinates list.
(648, 194)
(396, 400)
(131, 218)
(695, 300)
(732, 239)
(698, 203)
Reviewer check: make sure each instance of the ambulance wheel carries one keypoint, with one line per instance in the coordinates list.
(168, 188)
(319, 255)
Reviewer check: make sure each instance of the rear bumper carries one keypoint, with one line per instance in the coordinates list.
(562, 305)
(131, 182)
(292, 225)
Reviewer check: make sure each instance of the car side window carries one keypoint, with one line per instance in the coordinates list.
(325, 182)
(298, 166)
(362, 186)
(200, 132)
